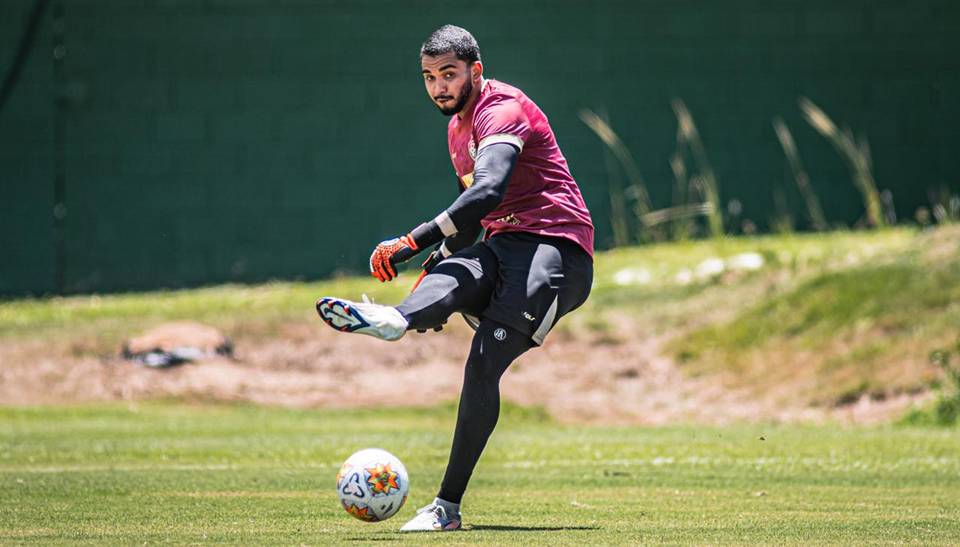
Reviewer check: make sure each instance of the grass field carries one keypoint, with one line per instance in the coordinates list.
(830, 319)
(841, 315)
(238, 474)
(109, 315)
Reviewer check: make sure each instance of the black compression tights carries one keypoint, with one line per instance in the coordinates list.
(456, 284)
(459, 284)
(494, 347)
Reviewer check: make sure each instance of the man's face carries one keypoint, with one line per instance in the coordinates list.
(449, 81)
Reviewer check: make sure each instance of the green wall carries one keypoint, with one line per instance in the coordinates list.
(245, 140)
(27, 238)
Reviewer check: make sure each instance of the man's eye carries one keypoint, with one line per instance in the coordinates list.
(448, 75)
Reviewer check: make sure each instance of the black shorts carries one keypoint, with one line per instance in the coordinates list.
(536, 279)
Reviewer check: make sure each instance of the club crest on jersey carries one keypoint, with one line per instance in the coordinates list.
(509, 219)
(472, 149)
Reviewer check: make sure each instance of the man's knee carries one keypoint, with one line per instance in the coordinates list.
(436, 288)
(495, 345)
(482, 370)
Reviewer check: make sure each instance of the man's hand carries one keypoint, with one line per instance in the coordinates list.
(434, 258)
(388, 254)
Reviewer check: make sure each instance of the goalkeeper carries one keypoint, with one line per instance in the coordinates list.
(533, 265)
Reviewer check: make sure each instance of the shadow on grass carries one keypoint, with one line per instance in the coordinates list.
(506, 528)
(479, 527)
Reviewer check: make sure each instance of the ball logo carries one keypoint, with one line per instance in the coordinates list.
(352, 486)
(500, 334)
(472, 149)
(382, 479)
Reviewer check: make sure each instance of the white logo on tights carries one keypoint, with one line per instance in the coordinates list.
(500, 334)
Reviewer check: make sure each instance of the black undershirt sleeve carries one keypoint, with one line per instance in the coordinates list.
(463, 238)
(491, 173)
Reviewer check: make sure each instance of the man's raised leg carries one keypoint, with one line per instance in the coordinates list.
(463, 282)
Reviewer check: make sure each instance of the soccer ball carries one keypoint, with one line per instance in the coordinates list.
(372, 485)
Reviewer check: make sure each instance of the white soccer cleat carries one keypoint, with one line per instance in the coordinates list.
(383, 322)
(432, 518)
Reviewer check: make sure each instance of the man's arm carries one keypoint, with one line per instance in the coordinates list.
(490, 177)
(491, 174)
(450, 245)
(465, 237)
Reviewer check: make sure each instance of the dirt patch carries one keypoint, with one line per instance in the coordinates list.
(941, 245)
(578, 376)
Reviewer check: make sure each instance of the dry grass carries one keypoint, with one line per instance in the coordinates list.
(855, 152)
(836, 337)
(800, 176)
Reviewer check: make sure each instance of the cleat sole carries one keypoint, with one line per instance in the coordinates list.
(339, 315)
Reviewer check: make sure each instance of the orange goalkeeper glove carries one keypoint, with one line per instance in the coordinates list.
(388, 254)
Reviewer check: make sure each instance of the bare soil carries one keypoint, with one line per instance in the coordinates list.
(577, 376)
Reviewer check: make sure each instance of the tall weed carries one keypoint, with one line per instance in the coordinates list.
(856, 154)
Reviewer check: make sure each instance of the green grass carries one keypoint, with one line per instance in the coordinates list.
(229, 304)
(97, 324)
(863, 329)
(889, 295)
(225, 305)
(946, 409)
(796, 253)
(237, 474)
(856, 312)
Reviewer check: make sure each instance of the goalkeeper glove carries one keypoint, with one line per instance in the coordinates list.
(388, 254)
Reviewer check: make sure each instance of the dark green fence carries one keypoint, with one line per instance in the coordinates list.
(198, 142)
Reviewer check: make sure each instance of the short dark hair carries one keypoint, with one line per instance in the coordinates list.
(452, 39)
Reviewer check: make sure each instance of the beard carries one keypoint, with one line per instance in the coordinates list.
(461, 101)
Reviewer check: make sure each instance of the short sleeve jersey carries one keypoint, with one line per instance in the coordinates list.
(541, 196)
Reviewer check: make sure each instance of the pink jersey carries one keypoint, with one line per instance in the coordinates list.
(541, 197)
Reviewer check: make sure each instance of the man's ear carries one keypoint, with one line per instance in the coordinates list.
(476, 71)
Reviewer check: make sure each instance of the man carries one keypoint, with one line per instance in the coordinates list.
(534, 264)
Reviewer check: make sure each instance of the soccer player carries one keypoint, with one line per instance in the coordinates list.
(533, 265)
